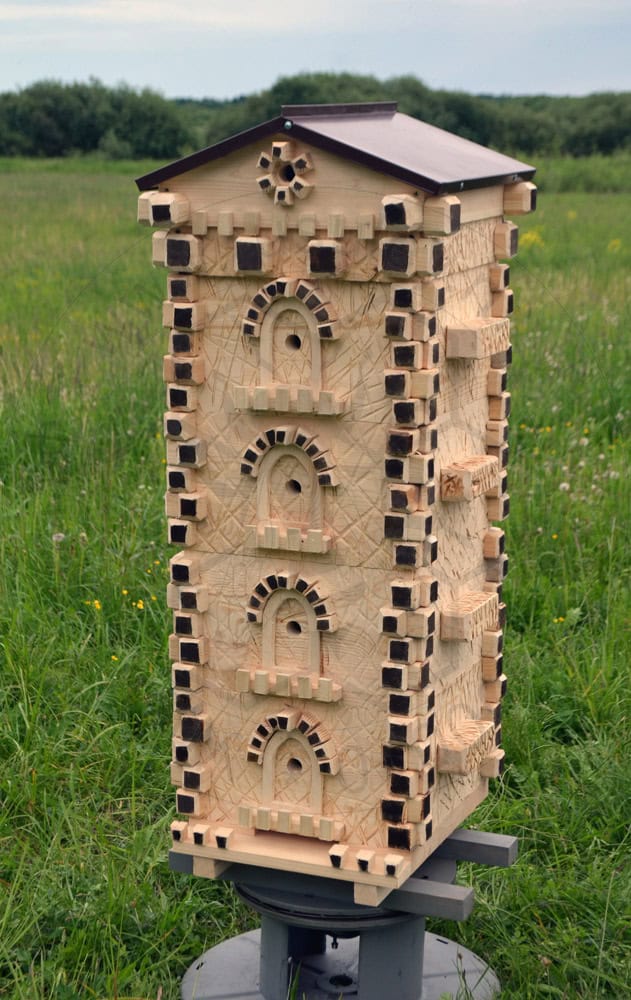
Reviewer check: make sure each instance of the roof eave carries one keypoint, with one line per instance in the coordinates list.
(203, 156)
(431, 186)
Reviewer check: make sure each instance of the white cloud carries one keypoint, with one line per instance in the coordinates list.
(278, 16)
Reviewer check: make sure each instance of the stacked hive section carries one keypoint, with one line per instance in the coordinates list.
(336, 468)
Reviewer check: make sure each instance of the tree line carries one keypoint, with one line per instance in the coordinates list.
(50, 118)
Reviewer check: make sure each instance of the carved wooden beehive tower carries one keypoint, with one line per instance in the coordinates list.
(336, 462)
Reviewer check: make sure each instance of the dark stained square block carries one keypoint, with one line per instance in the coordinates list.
(249, 256)
(178, 253)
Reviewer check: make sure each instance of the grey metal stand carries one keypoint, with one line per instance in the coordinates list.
(376, 952)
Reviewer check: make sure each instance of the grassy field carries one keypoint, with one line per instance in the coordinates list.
(88, 907)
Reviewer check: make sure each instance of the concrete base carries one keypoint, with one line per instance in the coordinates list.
(230, 971)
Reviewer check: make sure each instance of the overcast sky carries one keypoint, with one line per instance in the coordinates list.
(223, 48)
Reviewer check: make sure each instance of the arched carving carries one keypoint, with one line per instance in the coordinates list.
(302, 293)
(286, 582)
(287, 489)
(291, 639)
(314, 449)
(291, 773)
(313, 738)
(290, 347)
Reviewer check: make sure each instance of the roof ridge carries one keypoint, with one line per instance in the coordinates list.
(361, 108)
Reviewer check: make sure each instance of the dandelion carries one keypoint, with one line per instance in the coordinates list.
(153, 597)
(97, 605)
(614, 245)
(585, 430)
(140, 605)
(83, 538)
(559, 620)
(124, 591)
(156, 562)
(571, 215)
(568, 423)
(583, 442)
(554, 536)
(564, 487)
(114, 658)
(58, 537)
(614, 474)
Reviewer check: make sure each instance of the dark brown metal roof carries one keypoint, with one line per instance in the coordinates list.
(377, 136)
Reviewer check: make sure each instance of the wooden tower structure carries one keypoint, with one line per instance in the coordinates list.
(338, 303)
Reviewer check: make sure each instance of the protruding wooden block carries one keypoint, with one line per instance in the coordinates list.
(467, 616)
(496, 432)
(502, 303)
(181, 397)
(307, 224)
(493, 543)
(441, 215)
(199, 222)
(498, 508)
(480, 337)
(471, 478)
(185, 753)
(337, 854)
(225, 223)
(500, 405)
(505, 240)
(251, 222)
(182, 253)
(188, 371)
(495, 689)
(252, 255)
(191, 803)
(335, 225)
(189, 649)
(496, 382)
(397, 256)
(187, 506)
(179, 831)
(497, 569)
(433, 294)
(180, 426)
(493, 765)
(181, 532)
(184, 569)
(168, 209)
(492, 668)
(520, 198)
(366, 226)
(325, 257)
(463, 749)
(499, 277)
(197, 778)
(430, 256)
(188, 453)
(401, 213)
(422, 622)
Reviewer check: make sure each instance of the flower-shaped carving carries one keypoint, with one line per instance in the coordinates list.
(284, 176)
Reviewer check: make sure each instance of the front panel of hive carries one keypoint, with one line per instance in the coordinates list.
(337, 407)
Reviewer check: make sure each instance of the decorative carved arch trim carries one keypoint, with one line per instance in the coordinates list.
(323, 462)
(288, 582)
(289, 288)
(292, 720)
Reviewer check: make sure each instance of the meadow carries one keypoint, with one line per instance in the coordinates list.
(88, 906)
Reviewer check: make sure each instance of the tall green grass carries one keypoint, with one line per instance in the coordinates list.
(88, 907)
